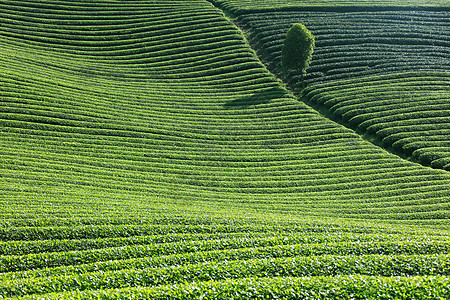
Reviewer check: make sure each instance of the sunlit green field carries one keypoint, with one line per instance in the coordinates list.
(148, 153)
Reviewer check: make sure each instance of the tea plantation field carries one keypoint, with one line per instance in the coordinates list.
(245, 6)
(147, 153)
(383, 72)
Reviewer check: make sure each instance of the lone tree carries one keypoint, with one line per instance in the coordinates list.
(298, 49)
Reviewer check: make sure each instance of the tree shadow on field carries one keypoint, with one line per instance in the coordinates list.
(261, 97)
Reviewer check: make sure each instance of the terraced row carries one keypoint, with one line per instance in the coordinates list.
(86, 260)
(406, 112)
(120, 39)
(357, 43)
(245, 6)
(136, 167)
(285, 287)
(235, 135)
(414, 122)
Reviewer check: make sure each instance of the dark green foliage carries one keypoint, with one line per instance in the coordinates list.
(298, 48)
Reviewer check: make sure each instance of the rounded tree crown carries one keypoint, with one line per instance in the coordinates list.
(298, 48)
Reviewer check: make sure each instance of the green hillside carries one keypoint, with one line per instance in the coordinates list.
(146, 152)
(384, 73)
(240, 6)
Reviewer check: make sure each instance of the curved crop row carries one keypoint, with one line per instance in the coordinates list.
(146, 152)
(384, 73)
(357, 43)
(387, 106)
(245, 6)
(364, 287)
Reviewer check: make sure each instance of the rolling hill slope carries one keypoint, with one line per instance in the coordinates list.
(382, 71)
(147, 152)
